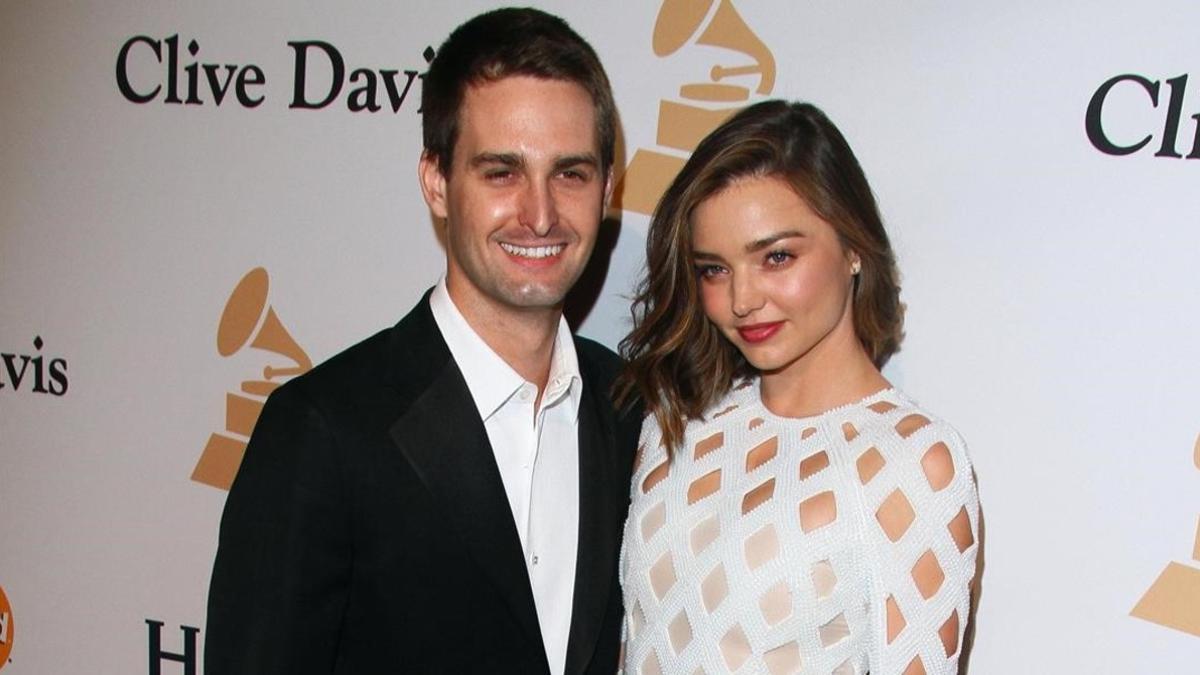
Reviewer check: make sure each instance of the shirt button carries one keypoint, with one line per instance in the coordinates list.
(535, 559)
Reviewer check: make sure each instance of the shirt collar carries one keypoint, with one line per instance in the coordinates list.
(564, 371)
(489, 378)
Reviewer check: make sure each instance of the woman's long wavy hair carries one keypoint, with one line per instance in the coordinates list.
(678, 362)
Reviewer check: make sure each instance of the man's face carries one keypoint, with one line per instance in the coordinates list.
(523, 197)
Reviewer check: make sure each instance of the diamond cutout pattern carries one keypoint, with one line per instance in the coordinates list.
(814, 464)
(896, 515)
(714, 589)
(938, 467)
(836, 630)
(762, 453)
(735, 647)
(662, 575)
(762, 547)
(818, 511)
(869, 463)
(783, 660)
(776, 603)
(680, 632)
(758, 496)
(724, 566)
(895, 619)
(704, 486)
(928, 575)
(824, 579)
(915, 667)
(705, 533)
(949, 634)
(710, 444)
(653, 521)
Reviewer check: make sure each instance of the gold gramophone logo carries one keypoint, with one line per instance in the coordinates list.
(248, 321)
(7, 629)
(1174, 598)
(702, 105)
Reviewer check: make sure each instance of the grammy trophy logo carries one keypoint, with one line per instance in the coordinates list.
(1174, 598)
(247, 321)
(7, 629)
(704, 105)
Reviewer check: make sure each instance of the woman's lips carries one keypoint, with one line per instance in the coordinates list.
(759, 332)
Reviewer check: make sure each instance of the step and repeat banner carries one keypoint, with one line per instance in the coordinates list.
(200, 201)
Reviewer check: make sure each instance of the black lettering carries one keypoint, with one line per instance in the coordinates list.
(1195, 153)
(58, 373)
(1093, 123)
(15, 376)
(363, 98)
(243, 81)
(172, 70)
(39, 375)
(336, 63)
(214, 85)
(123, 84)
(389, 82)
(193, 82)
(1174, 109)
(428, 55)
(157, 655)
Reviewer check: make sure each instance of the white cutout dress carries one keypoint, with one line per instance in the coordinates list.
(780, 564)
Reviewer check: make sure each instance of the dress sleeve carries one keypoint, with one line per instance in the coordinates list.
(921, 535)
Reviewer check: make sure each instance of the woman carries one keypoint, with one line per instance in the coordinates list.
(791, 511)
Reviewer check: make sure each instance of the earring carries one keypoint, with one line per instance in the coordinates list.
(855, 267)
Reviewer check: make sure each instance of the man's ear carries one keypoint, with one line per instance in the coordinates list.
(433, 184)
(609, 183)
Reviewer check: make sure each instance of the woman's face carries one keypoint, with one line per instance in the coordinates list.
(773, 276)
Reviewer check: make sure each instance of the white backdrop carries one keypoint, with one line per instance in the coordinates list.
(1053, 314)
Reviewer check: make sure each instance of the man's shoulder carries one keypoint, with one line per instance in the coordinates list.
(350, 372)
(394, 355)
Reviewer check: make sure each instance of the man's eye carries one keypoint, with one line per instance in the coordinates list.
(498, 174)
(575, 175)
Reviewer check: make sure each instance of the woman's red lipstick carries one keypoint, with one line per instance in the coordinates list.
(759, 332)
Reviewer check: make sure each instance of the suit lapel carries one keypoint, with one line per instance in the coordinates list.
(599, 505)
(442, 438)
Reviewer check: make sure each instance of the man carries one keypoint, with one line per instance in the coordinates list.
(448, 495)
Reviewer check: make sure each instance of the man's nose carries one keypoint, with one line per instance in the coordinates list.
(538, 211)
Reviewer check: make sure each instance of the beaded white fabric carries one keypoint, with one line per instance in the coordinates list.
(843, 543)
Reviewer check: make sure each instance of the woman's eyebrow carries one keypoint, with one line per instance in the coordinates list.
(760, 244)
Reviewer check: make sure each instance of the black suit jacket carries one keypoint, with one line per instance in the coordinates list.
(368, 530)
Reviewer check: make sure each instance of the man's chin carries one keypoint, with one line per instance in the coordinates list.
(534, 296)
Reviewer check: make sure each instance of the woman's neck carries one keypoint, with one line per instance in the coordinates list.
(832, 374)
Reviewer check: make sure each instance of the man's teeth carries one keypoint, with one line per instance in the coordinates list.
(532, 251)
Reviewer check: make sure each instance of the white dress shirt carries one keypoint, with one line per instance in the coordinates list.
(537, 452)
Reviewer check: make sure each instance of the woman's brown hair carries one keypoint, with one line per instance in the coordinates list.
(678, 362)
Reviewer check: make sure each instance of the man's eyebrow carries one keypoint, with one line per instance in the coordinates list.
(760, 244)
(568, 161)
(509, 159)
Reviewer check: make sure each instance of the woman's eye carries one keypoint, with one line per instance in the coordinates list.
(776, 258)
(708, 271)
